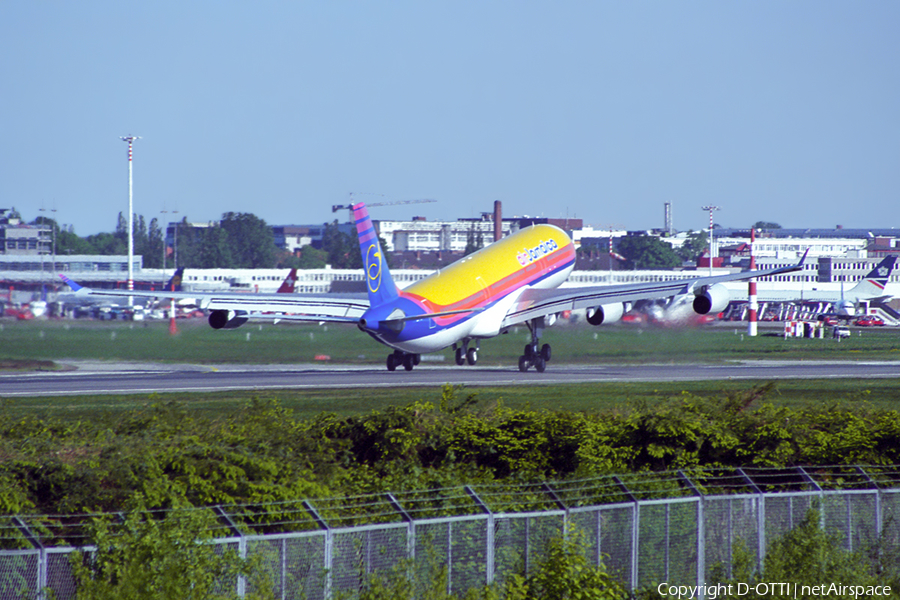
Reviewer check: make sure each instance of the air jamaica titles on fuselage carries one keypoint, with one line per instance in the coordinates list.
(529, 255)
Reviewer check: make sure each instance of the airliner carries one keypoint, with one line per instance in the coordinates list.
(513, 281)
(871, 288)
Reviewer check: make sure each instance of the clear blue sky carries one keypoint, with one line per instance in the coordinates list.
(785, 111)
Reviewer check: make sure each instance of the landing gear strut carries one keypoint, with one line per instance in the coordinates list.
(397, 358)
(534, 354)
(465, 354)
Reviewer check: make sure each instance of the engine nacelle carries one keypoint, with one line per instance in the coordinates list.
(226, 319)
(605, 313)
(713, 299)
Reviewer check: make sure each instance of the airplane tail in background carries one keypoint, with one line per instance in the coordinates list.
(872, 285)
(287, 286)
(174, 284)
(379, 284)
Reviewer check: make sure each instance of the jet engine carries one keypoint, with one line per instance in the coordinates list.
(226, 319)
(712, 299)
(605, 313)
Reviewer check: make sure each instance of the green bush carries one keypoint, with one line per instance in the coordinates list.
(147, 558)
(173, 456)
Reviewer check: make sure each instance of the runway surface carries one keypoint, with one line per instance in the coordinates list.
(131, 378)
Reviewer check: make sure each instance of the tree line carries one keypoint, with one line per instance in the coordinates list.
(237, 241)
(245, 241)
(651, 252)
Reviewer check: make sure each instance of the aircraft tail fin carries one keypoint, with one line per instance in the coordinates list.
(72, 285)
(873, 284)
(379, 284)
(287, 286)
(174, 284)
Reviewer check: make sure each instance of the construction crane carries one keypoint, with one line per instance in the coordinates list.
(337, 207)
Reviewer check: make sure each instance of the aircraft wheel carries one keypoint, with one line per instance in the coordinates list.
(417, 358)
(545, 352)
(540, 364)
(472, 356)
(529, 352)
(460, 357)
(523, 364)
(409, 361)
(391, 363)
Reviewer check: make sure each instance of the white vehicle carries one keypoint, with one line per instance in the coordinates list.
(840, 331)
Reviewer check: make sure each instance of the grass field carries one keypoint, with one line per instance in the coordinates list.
(196, 342)
(289, 343)
(590, 397)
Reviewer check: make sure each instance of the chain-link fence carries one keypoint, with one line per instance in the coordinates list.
(645, 529)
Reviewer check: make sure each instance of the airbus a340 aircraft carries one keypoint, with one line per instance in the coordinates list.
(513, 281)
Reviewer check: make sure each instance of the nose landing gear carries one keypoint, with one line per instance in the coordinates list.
(465, 354)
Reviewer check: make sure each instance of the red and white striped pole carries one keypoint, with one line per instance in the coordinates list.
(752, 317)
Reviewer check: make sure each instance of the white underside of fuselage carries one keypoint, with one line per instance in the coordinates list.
(485, 324)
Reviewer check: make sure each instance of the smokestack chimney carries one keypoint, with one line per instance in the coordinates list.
(498, 220)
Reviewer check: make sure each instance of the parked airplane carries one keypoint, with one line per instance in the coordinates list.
(513, 281)
(871, 288)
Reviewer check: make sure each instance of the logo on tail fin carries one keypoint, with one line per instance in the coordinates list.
(380, 285)
(373, 267)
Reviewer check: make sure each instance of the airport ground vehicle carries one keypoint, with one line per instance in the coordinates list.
(840, 331)
(869, 321)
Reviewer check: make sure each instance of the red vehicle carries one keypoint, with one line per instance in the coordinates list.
(868, 321)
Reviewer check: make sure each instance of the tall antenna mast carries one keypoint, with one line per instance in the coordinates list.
(711, 245)
(130, 139)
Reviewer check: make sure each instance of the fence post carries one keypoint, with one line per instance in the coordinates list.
(874, 485)
(701, 533)
(41, 575)
(561, 505)
(635, 529)
(328, 545)
(489, 553)
(226, 520)
(760, 518)
(808, 479)
(410, 536)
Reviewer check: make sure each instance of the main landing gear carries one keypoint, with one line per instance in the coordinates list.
(465, 354)
(397, 358)
(535, 355)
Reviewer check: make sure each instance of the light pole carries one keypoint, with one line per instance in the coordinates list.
(130, 139)
(711, 244)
